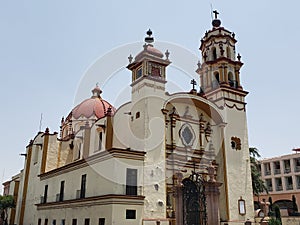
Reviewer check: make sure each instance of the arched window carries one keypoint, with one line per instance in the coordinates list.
(214, 52)
(231, 80)
(228, 52)
(216, 80)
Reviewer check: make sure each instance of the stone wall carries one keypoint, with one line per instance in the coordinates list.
(290, 220)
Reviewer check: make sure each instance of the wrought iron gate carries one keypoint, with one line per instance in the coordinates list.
(194, 201)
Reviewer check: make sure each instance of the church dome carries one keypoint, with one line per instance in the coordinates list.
(94, 106)
(150, 51)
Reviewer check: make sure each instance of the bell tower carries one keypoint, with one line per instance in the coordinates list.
(221, 84)
(220, 69)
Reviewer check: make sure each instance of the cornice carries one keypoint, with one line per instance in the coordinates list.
(92, 201)
(101, 156)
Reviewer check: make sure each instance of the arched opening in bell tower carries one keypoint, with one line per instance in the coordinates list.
(228, 52)
(214, 53)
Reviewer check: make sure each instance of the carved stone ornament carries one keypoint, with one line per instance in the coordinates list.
(187, 135)
(236, 143)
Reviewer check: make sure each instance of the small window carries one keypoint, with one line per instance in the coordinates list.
(100, 141)
(63, 222)
(137, 115)
(139, 73)
(46, 222)
(131, 181)
(130, 214)
(62, 190)
(83, 186)
(87, 221)
(214, 53)
(39, 221)
(45, 194)
(74, 221)
(53, 222)
(228, 52)
(101, 221)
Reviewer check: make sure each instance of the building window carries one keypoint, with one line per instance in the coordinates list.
(232, 82)
(267, 169)
(276, 167)
(39, 221)
(53, 222)
(46, 222)
(278, 183)
(139, 73)
(289, 183)
(63, 222)
(131, 181)
(83, 186)
(287, 166)
(298, 182)
(62, 190)
(130, 214)
(101, 221)
(100, 141)
(228, 52)
(87, 221)
(297, 164)
(214, 52)
(216, 80)
(74, 221)
(45, 194)
(269, 184)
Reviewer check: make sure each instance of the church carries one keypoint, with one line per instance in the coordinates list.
(159, 159)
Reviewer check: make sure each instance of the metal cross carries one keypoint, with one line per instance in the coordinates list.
(193, 82)
(216, 14)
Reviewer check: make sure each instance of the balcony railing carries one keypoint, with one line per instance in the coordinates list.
(270, 188)
(279, 188)
(287, 170)
(267, 172)
(289, 187)
(277, 171)
(297, 168)
(115, 190)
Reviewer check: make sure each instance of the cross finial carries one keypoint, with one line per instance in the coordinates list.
(167, 53)
(216, 14)
(194, 83)
(130, 58)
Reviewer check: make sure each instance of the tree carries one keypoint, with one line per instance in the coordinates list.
(6, 202)
(258, 184)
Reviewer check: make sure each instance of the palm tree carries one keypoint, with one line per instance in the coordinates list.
(258, 184)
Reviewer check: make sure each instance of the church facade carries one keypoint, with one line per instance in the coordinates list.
(161, 158)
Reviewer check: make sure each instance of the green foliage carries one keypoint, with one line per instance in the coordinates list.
(6, 202)
(258, 184)
(274, 221)
(277, 213)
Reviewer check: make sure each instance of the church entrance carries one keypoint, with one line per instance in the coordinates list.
(194, 201)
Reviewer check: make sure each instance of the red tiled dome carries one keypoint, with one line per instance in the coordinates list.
(94, 106)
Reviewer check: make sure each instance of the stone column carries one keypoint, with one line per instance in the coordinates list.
(212, 198)
(178, 200)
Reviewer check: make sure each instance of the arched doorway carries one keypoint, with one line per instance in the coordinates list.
(194, 201)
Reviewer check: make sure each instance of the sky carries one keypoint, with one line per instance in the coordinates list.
(47, 47)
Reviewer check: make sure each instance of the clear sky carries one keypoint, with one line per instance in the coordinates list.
(47, 46)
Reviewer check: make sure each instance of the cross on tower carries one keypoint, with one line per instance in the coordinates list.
(216, 14)
(193, 82)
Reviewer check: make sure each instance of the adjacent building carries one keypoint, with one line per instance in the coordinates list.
(282, 178)
(160, 158)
